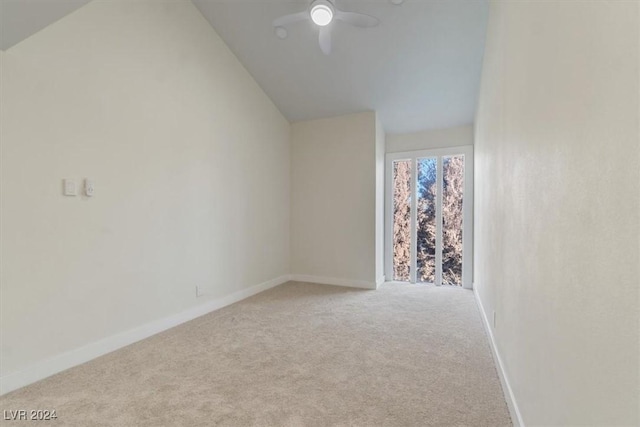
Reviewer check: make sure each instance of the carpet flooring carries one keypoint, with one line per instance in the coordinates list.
(297, 355)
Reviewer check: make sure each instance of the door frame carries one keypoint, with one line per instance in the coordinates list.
(467, 210)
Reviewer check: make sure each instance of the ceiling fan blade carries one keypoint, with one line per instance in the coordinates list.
(325, 40)
(290, 19)
(357, 19)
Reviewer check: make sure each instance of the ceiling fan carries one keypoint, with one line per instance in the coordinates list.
(322, 13)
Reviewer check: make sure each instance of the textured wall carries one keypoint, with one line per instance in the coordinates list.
(558, 206)
(436, 138)
(333, 198)
(380, 165)
(191, 167)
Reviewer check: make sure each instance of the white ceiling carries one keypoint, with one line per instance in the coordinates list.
(21, 18)
(420, 68)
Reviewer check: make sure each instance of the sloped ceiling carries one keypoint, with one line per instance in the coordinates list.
(21, 18)
(420, 68)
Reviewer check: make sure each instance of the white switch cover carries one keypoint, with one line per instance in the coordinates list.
(88, 187)
(70, 188)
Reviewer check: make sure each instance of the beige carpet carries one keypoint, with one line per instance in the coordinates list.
(297, 355)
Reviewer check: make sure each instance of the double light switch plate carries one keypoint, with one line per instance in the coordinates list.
(71, 187)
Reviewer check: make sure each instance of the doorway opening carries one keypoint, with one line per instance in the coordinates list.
(429, 205)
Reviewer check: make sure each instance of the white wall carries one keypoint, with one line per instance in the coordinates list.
(380, 160)
(191, 167)
(333, 200)
(436, 138)
(557, 209)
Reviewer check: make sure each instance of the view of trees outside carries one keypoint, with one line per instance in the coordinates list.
(401, 220)
(452, 197)
(426, 231)
(452, 194)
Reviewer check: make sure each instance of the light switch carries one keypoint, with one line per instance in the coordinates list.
(70, 188)
(88, 187)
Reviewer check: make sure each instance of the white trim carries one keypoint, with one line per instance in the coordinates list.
(363, 284)
(413, 225)
(433, 152)
(438, 219)
(514, 411)
(99, 348)
(380, 281)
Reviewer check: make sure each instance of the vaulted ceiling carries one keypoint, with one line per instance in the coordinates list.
(420, 68)
(21, 18)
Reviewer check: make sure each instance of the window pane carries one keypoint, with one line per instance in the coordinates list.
(426, 230)
(452, 198)
(401, 220)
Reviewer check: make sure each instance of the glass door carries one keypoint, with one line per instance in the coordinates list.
(429, 206)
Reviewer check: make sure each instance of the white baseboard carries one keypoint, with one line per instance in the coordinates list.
(380, 280)
(514, 411)
(363, 284)
(88, 352)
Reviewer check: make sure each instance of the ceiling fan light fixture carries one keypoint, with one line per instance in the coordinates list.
(321, 12)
